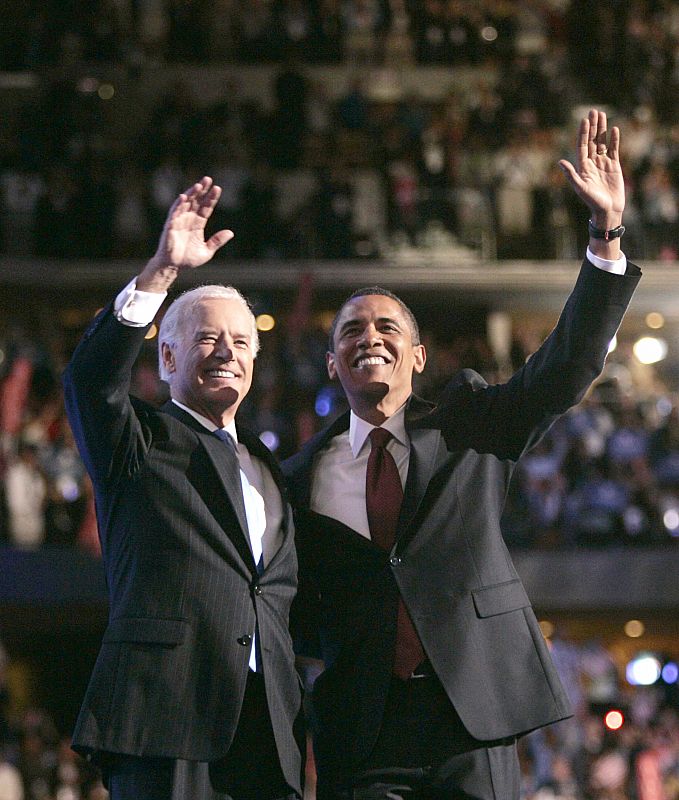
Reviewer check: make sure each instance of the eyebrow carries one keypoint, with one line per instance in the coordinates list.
(380, 320)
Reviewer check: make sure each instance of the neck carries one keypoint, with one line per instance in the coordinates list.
(377, 413)
(219, 418)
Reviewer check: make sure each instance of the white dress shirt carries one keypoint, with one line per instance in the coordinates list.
(339, 470)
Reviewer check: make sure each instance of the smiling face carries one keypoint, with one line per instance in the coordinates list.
(374, 356)
(209, 369)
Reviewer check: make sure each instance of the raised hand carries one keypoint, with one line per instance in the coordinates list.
(597, 177)
(182, 243)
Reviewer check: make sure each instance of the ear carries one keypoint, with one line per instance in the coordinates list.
(168, 357)
(330, 364)
(420, 358)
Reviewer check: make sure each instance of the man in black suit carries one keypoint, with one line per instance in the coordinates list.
(434, 661)
(198, 543)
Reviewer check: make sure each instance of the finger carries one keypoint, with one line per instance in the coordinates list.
(593, 132)
(218, 240)
(571, 174)
(209, 201)
(582, 143)
(614, 147)
(602, 133)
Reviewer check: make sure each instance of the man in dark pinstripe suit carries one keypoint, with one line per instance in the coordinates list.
(196, 662)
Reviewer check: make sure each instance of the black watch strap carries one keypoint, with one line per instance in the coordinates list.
(599, 233)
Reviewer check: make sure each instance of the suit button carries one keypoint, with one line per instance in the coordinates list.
(257, 589)
(244, 640)
(394, 561)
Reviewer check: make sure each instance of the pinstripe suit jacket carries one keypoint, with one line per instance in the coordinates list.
(449, 562)
(170, 676)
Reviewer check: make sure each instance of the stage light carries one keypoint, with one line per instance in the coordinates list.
(323, 404)
(270, 439)
(671, 520)
(655, 320)
(670, 672)
(152, 332)
(488, 33)
(106, 91)
(650, 350)
(634, 628)
(644, 670)
(265, 322)
(614, 720)
(547, 628)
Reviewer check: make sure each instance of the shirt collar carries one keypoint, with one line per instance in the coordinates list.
(206, 423)
(359, 430)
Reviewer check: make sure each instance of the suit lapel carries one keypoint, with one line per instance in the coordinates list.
(425, 445)
(227, 468)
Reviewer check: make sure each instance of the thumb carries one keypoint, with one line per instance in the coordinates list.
(218, 240)
(570, 172)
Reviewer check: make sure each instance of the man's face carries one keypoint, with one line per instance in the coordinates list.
(374, 354)
(210, 368)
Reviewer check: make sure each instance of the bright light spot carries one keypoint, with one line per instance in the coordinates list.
(650, 350)
(670, 672)
(106, 91)
(270, 439)
(613, 720)
(489, 33)
(655, 320)
(671, 519)
(613, 344)
(644, 670)
(152, 332)
(88, 85)
(634, 628)
(265, 322)
(323, 404)
(547, 628)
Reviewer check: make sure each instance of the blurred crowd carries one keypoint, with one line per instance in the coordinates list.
(354, 167)
(606, 474)
(584, 758)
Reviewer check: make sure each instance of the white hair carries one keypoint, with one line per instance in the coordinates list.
(173, 325)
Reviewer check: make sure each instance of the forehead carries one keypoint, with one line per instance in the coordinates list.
(371, 307)
(219, 312)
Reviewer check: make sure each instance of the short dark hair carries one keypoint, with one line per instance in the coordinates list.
(368, 290)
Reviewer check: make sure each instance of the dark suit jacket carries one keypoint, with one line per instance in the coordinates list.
(183, 586)
(449, 563)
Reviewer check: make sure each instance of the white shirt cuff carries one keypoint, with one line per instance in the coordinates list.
(618, 267)
(135, 308)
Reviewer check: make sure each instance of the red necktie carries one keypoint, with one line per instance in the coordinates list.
(383, 498)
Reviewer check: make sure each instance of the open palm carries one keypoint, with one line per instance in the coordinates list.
(597, 177)
(182, 243)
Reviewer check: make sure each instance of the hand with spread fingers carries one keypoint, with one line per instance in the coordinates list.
(597, 176)
(182, 243)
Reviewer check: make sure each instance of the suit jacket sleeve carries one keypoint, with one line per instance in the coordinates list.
(109, 433)
(506, 419)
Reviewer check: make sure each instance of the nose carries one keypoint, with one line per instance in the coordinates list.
(223, 350)
(370, 337)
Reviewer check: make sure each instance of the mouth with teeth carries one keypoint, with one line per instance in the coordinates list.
(365, 361)
(220, 373)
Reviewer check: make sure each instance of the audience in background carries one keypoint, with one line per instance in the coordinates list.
(324, 172)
